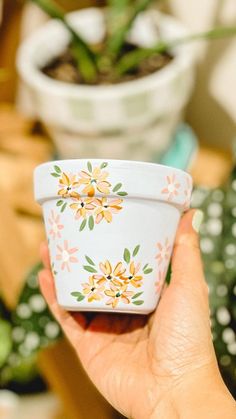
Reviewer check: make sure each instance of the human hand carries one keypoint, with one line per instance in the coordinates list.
(157, 366)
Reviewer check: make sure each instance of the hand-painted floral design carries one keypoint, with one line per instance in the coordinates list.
(82, 188)
(164, 251)
(117, 294)
(66, 255)
(55, 225)
(172, 187)
(94, 179)
(187, 193)
(118, 281)
(105, 208)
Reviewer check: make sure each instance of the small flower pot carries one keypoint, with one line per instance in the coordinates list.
(111, 226)
(131, 120)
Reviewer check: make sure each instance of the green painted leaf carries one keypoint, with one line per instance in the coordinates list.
(63, 207)
(138, 302)
(55, 175)
(122, 193)
(90, 269)
(89, 167)
(83, 224)
(59, 203)
(136, 250)
(103, 165)
(126, 255)
(78, 295)
(91, 222)
(145, 266)
(89, 260)
(148, 271)
(75, 293)
(57, 169)
(137, 295)
(117, 187)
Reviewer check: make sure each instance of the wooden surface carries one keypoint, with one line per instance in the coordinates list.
(21, 231)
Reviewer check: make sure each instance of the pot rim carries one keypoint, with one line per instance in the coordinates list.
(142, 180)
(31, 74)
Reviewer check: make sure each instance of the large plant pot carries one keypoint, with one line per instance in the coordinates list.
(132, 120)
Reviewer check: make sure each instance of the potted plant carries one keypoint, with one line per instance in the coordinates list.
(109, 83)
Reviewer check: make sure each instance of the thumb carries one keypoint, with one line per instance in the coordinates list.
(187, 268)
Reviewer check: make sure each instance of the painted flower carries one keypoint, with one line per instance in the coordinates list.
(164, 252)
(93, 290)
(56, 227)
(118, 294)
(160, 281)
(82, 206)
(106, 208)
(67, 183)
(171, 188)
(187, 193)
(97, 180)
(110, 274)
(133, 278)
(65, 255)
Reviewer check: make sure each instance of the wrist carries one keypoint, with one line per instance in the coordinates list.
(203, 395)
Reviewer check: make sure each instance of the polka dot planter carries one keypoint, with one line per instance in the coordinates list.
(111, 227)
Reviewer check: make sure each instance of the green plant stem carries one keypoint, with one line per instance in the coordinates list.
(122, 20)
(134, 58)
(82, 53)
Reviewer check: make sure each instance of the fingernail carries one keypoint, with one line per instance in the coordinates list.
(197, 220)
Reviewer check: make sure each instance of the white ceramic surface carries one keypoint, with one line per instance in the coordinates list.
(111, 227)
(132, 120)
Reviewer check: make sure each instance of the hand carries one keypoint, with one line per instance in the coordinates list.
(146, 365)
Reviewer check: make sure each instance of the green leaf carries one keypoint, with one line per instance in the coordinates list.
(89, 260)
(136, 250)
(89, 167)
(145, 266)
(103, 165)
(91, 222)
(83, 224)
(63, 207)
(138, 302)
(126, 255)
(5, 341)
(148, 271)
(78, 295)
(122, 193)
(117, 187)
(137, 295)
(55, 175)
(59, 203)
(57, 169)
(90, 269)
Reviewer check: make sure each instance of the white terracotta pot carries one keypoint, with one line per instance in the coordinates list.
(133, 120)
(111, 227)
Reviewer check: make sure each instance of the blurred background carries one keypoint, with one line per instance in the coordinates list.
(182, 114)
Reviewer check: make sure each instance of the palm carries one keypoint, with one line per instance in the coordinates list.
(126, 355)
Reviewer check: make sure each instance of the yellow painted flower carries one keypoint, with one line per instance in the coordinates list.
(93, 290)
(82, 206)
(117, 294)
(106, 208)
(109, 274)
(97, 180)
(134, 279)
(67, 183)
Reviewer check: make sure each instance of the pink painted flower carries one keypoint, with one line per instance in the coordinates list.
(65, 255)
(187, 193)
(160, 281)
(56, 227)
(164, 252)
(171, 189)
